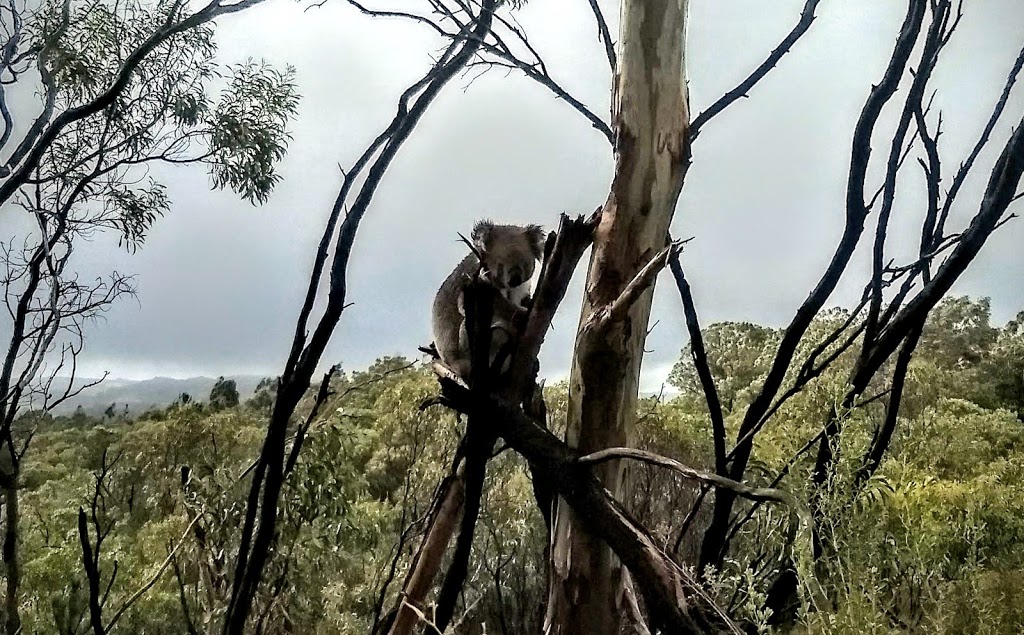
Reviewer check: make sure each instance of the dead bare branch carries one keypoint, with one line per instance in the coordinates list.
(713, 547)
(667, 588)
(700, 361)
(619, 308)
(742, 90)
(604, 35)
(257, 538)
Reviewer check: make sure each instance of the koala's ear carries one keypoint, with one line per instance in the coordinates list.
(537, 238)
(482, 233)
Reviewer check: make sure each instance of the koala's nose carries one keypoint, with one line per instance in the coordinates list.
(515, 276)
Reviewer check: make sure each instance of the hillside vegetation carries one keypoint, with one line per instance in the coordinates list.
(931, 545)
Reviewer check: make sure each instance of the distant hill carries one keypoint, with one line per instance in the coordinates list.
(144, 394)
(667, 393)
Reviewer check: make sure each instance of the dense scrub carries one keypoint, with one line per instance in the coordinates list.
(930, 544)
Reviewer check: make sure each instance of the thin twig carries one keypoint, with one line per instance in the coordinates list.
(743, 88)
(155, 577)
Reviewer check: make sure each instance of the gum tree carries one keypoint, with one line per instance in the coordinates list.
(118, 88)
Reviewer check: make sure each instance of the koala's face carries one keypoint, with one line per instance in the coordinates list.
(509, 252)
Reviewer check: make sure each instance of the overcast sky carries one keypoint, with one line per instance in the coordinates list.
(220, 280)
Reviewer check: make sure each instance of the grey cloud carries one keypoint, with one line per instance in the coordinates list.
(221, 281)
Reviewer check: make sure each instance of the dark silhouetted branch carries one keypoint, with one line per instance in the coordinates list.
(20, 172)
(675, 600)
(92, 574)
(712, 549)
(443, 516)
(619, 308)
(883, 435)
(186, 611)
(501, 53)
(479, 299)
(322, 394)
(566, 248)
(700, 362)
(933, 45)
(257, 539)
(743, 88)
(721, 482)
(965, 167)
(604, 35)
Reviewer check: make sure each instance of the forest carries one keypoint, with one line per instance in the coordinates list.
(852, 465)
(930, 546)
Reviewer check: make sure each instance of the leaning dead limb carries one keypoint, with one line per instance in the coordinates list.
(618, 309)
(673, 596)
(258, 531)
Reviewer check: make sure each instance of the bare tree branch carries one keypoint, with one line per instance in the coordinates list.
(965, 167)
(21, 171)
(721, 482)
(619, 308)
(256, 540)
(700, 362)
(667, 588)
(856, 211)
(604, 35)
(743, 88)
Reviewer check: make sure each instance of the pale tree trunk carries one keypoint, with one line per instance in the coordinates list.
(651, 123)
(412, 601)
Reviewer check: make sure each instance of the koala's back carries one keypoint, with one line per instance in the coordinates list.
(446, 316)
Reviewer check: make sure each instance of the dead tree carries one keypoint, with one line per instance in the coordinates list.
(650, 121)
(674, 598)
(652, 138)
(628, 253)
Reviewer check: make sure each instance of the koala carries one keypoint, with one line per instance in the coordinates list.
(507, 259)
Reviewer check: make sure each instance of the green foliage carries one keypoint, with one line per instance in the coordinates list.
(248, 134)
(224, 394)
(264, 395)
(958, 332)
(930, 544)
(178, 106)
(738, 355)
(1002, 366)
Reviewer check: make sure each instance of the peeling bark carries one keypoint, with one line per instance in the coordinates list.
(650, 118)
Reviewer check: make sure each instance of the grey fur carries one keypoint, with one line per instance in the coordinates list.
(509, 254)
